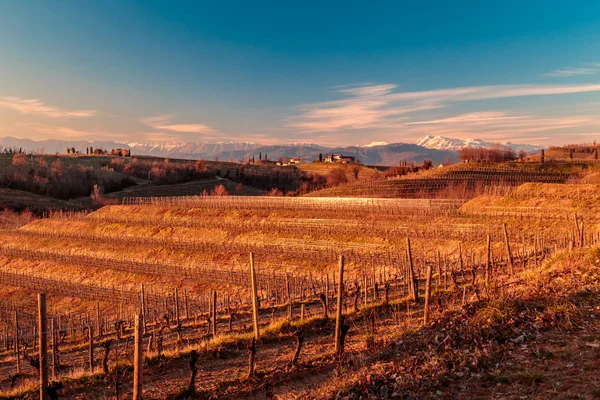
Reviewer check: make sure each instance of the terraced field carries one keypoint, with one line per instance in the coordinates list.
(456, 181)
(92, 267)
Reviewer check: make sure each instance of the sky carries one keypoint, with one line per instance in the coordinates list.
(325, 72)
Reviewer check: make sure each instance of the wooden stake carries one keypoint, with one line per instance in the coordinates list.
(338, 312)
(439, 270)
(43, 329)
(53, 344)
(254, 297)
(510, 257)
(427, 295)
(17, 342)
(186, 305)
(289, 295)
(91, 348)
(98, 324)
(488, 264)
(143, 304)
(365, 289)
(251, 356)
(137, 358)
(214, 314)
(460, 256)
(177, 319)
(413, 284)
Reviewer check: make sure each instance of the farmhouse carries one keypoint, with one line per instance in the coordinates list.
(296, 160)
(339, 158)
(121, 152)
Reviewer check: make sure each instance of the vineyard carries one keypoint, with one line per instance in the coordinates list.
(238, 297)
(457, 181)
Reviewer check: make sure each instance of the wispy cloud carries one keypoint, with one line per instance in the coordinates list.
(590, 69)
(71, 133)
(163, 122)
(43, 131)
(380, 107)
(367, 107)
(498, 125)
(38, 107)
(384, 111)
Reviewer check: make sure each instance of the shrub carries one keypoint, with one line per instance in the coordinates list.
(19, 160)
(220, 190)
(336, 177)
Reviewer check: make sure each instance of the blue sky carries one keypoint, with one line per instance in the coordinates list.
(321, 72)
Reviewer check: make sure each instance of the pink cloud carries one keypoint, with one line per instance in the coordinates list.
(37, 107)
(163, 122)
(386, 113)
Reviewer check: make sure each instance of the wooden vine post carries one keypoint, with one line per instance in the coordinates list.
(460, 256)
(289, 295)
(251, 357)
(143, 304)
(98, 321)
(254, 297)
(43, 348)
(577, 226)
(439, 269)
(54, 348)
(177, 318)
(186, 305)
(91, 348)
(338, 312)
(17, 342)
(137, 358)
(427, 296)
(214, 313)
(510, 256)
(413, 291)
(488, 263)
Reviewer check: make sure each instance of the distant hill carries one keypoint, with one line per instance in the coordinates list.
(53, 146)
(389, 154)
(374, 154)
(158, 149)
(444, 143)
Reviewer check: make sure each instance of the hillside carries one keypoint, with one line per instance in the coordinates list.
(540, 339)
(21, 200)
(194, 188)
(493, 337)
(454, 181)
(188, 251)
(350, 170)
(539, 199)
(73, 178)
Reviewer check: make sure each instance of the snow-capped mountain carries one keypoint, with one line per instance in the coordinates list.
(377, 153)
(186, 149)
(374, 144)
(444, 143)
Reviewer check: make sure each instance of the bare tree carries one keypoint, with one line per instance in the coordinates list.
(355, 170)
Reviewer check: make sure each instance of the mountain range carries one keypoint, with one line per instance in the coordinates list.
(444, 143)
(438, 149)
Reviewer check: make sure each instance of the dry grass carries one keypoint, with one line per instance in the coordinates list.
(487, 338)
(555, 282)
(364, 172)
